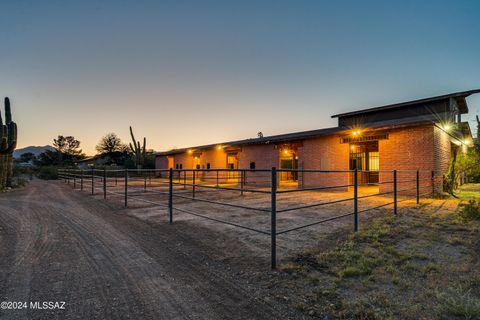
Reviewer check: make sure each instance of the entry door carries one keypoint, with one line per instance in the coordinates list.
(232, 164)
(289, 161)
(170, 163)
(196, 162)
(365, 158)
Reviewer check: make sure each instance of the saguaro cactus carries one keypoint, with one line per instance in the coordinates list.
(138, 151)
(8, 143)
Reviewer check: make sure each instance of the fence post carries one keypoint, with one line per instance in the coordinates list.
(273, 220)
(217, 178)
(74, 181)
(433, 183)
(395, 192)
(126, 188)
(242, 181)
(81, 180)
(104, 183)
(355, 199)
(418, 187)
(68, 177)
(170, 196)
(193, 183)
(184, 179)
(144, 182)
(93, 181)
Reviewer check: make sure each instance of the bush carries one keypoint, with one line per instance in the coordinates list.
(469, 211)
(21, 171)
(19, 182)
(48, 173)
(457, 302)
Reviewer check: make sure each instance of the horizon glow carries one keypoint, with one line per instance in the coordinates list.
(192, 73)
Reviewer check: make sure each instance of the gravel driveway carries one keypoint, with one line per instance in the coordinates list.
(60, 245)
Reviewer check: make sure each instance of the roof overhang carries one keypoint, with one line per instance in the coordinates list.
(458, 96)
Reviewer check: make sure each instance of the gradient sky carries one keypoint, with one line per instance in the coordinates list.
(184, 73)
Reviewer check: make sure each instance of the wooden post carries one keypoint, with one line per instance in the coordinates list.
(273, 219)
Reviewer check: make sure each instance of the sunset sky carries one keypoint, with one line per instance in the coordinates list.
(185, 73)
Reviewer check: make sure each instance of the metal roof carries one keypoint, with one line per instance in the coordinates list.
(419, 120)
(460, 96)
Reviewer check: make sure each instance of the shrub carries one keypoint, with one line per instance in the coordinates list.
(47, 173)
(470, 211)
(458, 302)
(19, 182)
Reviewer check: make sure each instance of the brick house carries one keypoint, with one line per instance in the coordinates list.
(414, 135)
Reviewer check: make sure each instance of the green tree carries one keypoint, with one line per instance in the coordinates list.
(26, 157)
(467, 163)
(68, 149)
(112, 146)
(48, 158)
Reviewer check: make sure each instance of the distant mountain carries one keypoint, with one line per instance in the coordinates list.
(33, 149)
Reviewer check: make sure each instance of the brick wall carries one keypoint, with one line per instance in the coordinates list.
(425, 148)
(264, 156)
(323, 153)
(442, 150)
(413, 148)
(161, 162)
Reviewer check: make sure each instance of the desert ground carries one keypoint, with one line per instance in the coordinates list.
(110, 262)
(61, 245)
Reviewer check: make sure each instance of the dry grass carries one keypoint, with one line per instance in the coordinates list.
(419, 265)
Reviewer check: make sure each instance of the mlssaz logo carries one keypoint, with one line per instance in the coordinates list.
(47, 305)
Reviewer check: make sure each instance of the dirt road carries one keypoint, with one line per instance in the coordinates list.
(61, 245)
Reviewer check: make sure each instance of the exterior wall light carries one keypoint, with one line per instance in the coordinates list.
(190, 151)
(219, 147)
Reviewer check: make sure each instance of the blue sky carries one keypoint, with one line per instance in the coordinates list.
(193, 72)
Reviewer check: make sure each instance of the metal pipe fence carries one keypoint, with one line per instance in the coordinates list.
(173, 188)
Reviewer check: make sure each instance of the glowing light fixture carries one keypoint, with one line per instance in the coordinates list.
(447, 127)
(356, 132)
(190, 151)
(286, 151)
(219, 147)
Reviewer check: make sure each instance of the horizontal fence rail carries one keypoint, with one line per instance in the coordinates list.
(173, 188)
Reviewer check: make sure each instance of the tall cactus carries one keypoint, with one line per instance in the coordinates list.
(137, 150)
(8, 143)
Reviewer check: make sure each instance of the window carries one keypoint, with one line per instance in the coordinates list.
(181, 166)
(208, 166)
(176, 166)
(197, 166)
(373, 161)
(252, 165)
